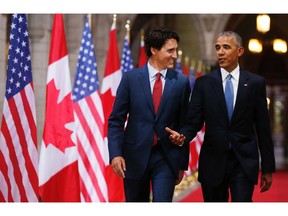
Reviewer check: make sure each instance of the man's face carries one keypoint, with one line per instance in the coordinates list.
(227, 52)
(166, 56)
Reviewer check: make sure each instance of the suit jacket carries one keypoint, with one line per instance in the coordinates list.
(135, 142)
(248, 131)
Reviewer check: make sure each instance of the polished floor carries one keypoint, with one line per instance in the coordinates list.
(277, 193)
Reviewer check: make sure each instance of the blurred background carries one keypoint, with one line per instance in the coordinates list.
(265, 38)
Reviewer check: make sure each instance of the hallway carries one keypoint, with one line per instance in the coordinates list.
(277, 193)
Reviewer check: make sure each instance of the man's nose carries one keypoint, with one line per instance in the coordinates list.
(174, 55)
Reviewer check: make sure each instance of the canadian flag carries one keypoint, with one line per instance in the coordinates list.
(142, 53)
(110, 83)
(58, 166)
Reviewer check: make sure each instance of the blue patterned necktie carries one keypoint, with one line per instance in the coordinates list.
(229, 96)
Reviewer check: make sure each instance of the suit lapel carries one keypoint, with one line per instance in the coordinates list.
(145, 83)
(242, 90)
(169, 83)
(218, 89)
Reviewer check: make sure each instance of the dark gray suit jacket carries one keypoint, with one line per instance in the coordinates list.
(248, 133)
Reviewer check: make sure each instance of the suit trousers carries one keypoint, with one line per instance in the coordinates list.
(158, 177)
(235, 181)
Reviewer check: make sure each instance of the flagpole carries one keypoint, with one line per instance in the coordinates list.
(186, 60)
(127, 26)
(90, 20)
(114, 19)
(180, 55)
(142, 35)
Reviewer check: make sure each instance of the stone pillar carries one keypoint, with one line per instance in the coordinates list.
(39, 28)
(101, 26)
(74, 25)
(209, 26)
(3, 59)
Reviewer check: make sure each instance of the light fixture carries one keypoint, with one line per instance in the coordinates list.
(279, 46)
(263, 26)
(263, 23)
(255, 45)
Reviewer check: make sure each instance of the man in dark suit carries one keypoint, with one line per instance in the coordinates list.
(142, 153)
(235, 133)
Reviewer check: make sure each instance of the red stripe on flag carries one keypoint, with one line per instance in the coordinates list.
(32, 174)
(89, 134)
(30, 118)
(13, 158)
(4, 170)
(91, 174)
(84, 191)
(95, 114)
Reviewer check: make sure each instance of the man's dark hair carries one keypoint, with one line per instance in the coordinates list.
(157, 38)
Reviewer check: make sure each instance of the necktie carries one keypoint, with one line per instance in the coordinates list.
(157, 92)
(156, 96)
(229, 96)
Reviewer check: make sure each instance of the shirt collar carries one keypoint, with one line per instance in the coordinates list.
(235, 73)
(152, 71)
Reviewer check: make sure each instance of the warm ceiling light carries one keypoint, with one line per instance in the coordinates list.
(279, 46)
(263, 23)
(255, 46)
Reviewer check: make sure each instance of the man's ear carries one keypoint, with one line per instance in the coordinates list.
(240, 51)
(153, 51)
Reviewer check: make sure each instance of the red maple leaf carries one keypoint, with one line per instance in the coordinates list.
(57, 115)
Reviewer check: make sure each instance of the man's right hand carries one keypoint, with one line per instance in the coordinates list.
(175, 137)
(119, 166)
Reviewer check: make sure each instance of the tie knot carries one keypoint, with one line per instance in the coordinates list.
(229, 76)
(158, 76)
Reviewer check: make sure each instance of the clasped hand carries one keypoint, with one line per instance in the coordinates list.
(175, 137)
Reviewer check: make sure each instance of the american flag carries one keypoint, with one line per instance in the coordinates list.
(178, 66)
(196, 143)
(18, 137)
(192, 76)
(89, 123)
(126, 60)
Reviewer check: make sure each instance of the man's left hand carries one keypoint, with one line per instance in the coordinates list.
(266, 182)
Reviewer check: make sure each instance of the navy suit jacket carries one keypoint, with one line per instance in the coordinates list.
(248, 133)
(135, 142)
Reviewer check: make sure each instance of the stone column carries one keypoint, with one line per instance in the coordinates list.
(74, 24)
(210, 25)
(3, 59)
(39, 28)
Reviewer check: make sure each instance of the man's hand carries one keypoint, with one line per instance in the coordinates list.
(119, 166)
(266, 182)
(175, 137)
(180, 177)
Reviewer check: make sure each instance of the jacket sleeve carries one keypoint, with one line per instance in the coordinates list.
(117, 118)
(263, 130)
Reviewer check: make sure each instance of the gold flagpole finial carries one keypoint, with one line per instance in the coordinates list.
(186, 60)
(114, 18)
(180, 55)
(127, 26)
(142, 35)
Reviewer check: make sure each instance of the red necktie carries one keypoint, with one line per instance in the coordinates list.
(156, 96)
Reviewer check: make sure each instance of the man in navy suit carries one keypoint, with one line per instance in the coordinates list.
(142, 153)
(229, 156)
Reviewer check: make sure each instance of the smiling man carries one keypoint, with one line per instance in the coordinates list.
(153, 96)
(232, 103)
